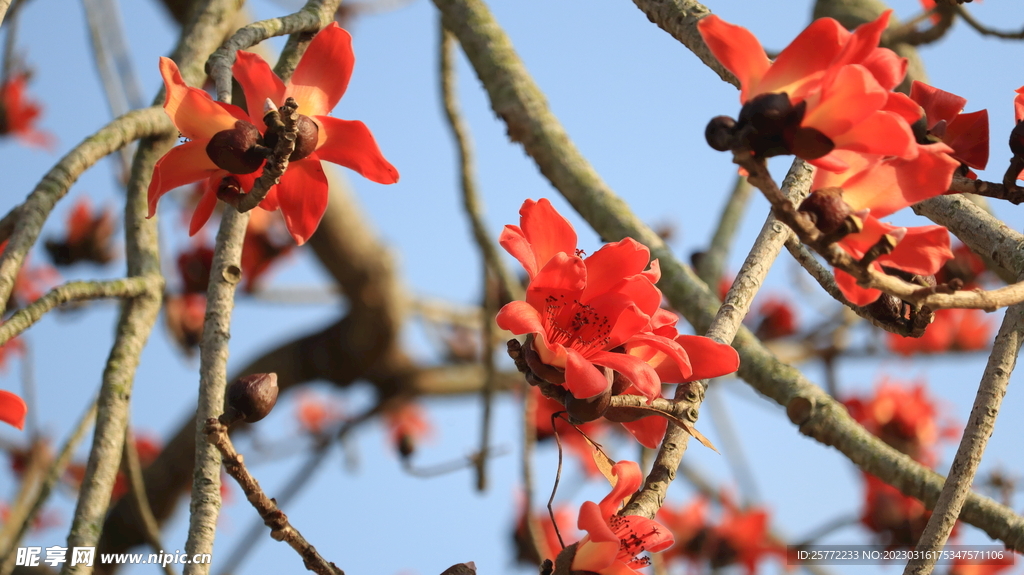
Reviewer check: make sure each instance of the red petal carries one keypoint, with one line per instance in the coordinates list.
(649, 431)
(887, 67)
(207, 203)
(12, 409)
(708, 357)
(894, 184)
(519, 318)
(182, 165)
(1018, 104)
(669, 359)
(323, 73)
(350, 144)
(903, 106)
(192, 110)
(628, 480)
(923, 250)
(258, 83)
(863, 42)
(807, 55)
(269, 203)
(599, 549)
(882, 133)
(968, 136)
(546, 230)
(607, 267)
(845, 102)
(853, 292)
(582, 379)
(938, 104)
(515, 243)
(642, 375)
(738, 50)
(563, 278)
(302, 194)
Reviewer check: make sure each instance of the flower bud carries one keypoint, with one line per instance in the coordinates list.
(235, 150)
(250, 398)
(719, 133)
(827, 208)
(306, 135)
(1017, 140)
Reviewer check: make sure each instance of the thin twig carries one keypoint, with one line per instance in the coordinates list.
(150, 528)
(10, 59)
(280, 528)
(27, 508)
(985, 30)
(732, 448)
(972, 445)
(529, 415)
(75, 291)
(96, 17)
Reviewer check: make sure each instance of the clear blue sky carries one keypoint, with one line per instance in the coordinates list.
(635, 102)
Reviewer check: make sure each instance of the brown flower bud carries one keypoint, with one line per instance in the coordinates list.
(235, 150)
(306, 135)
(1017, 140)
(720, 133)
(827, 208)
(250, 398)
(625, 414)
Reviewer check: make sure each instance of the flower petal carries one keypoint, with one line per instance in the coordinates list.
(649, 431)
(738, 50)
(322, 75)
(181, 165)
(856, 294)
(350, 144)
(882, 133)
(13, 410)
(258, 83)
(547, 231)
(968, 136)
(938, 104)
(853, 96)
(628, 480)
(636, 370)
(582, 379)
(609, 265)
(599, 549)
(558, 285)
(669, 359)
(207, 203)
(894, 184)
(519, 318)
(193, 112)
(809, 54)
(708, 357)
(922, 251)
(515, 243)
(302, 194)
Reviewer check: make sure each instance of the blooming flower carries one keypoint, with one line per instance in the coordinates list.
(580, 310)
(742, 537)
(920, 250)
(18, 114)
(777, 319)
(903, 416)
(897, 519)
(89, 236)
(613, 541)
(830, 89)
(966, 134)
(319, 81)
(407, 427)
(185, 315)
(951, 330)
(689, 526)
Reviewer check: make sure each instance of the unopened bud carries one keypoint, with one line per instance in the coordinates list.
(827, 208)
(235, 150)
(1017, 140)
(250, 398)
(720, 133)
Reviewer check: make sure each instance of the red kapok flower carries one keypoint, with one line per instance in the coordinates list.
(613, 541)
(89, 236)
(842, 80)
(742, 537)
(778, 319)
(919, 250)
(18, 114)
(408, 425)
(527, 550)
(319, 81)
(12, 409)
(261, 248)
(194, 266)
(952, 330)
(579, 310)
(967, 134)
(185, 315)
(897, 519)
(689, 527)
(570, 436)
(903, 416)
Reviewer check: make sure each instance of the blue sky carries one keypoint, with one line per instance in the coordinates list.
(635, 101)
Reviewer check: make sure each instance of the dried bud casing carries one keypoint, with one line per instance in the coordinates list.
(306, 135)
(589, 409)
(1017, 140)
(827, 208)
(235, 150)
(251, 398)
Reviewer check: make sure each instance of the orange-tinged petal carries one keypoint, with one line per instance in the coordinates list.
(853, 96)
(204, 209)
(853, 292)
(738, 50)
(302, 194)
(193, 112)
(649, 431)
(809, 54)
(350, 144)
(903, 106)
(547, 231)
(887, 67)
(922, 251)
(894, 184)
(637, 371)
(182, 165)
(258, 83)
(609, 265)
(863, 42)
(519, 318)
(582, 379)
(322, 75)
(1018, 104)
(882, 133)
(514, 241)
(666, 356)
(628, 480)
(13, 409)
(599, 549)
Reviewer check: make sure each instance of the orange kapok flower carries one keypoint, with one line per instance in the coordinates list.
(966, 134)
(613, 541)
(89, 236)
(905, 417)
(261, 248)
(920, 250)
(319, 81)
(18, 114)
(316, 414)
(581, 310)
(690, 529)
(828, 90)
(408, 426)
(952, 330)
